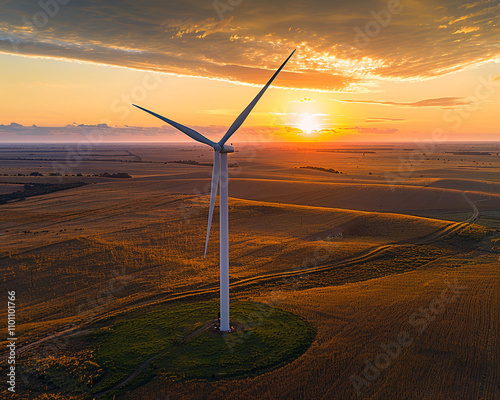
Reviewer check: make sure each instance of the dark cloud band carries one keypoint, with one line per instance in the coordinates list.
(342, 45)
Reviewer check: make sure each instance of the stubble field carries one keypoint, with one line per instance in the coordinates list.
(364, 256)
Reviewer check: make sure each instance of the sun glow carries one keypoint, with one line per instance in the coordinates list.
(309, 123)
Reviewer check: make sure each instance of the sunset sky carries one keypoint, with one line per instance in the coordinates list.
(363, 71)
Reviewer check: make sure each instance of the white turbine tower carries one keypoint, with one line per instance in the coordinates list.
(220, 174)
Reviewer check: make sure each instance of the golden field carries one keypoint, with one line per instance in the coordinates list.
(358, 255)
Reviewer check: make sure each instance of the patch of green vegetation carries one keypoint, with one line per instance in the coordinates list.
(491, 223)
(330, 170)
(491, 213)
(65, 374)
(119, 175)
(473, 232)
(36, 189)
(266, 338)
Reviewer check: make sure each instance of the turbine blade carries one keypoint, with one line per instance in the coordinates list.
(213, 195)
(184, 129)
(243, 116)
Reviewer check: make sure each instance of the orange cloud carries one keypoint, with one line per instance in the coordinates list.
(439, 102)
(466, 29)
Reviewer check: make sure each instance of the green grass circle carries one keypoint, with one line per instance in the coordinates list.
(271, 337)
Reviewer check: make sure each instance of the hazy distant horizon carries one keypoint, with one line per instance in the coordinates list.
(73, 133)
(249, 143)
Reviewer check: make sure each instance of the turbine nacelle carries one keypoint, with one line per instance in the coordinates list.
(226, 149)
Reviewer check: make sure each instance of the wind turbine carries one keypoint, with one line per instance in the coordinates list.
(219, 174)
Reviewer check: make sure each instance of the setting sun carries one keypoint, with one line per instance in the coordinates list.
(309, 123)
